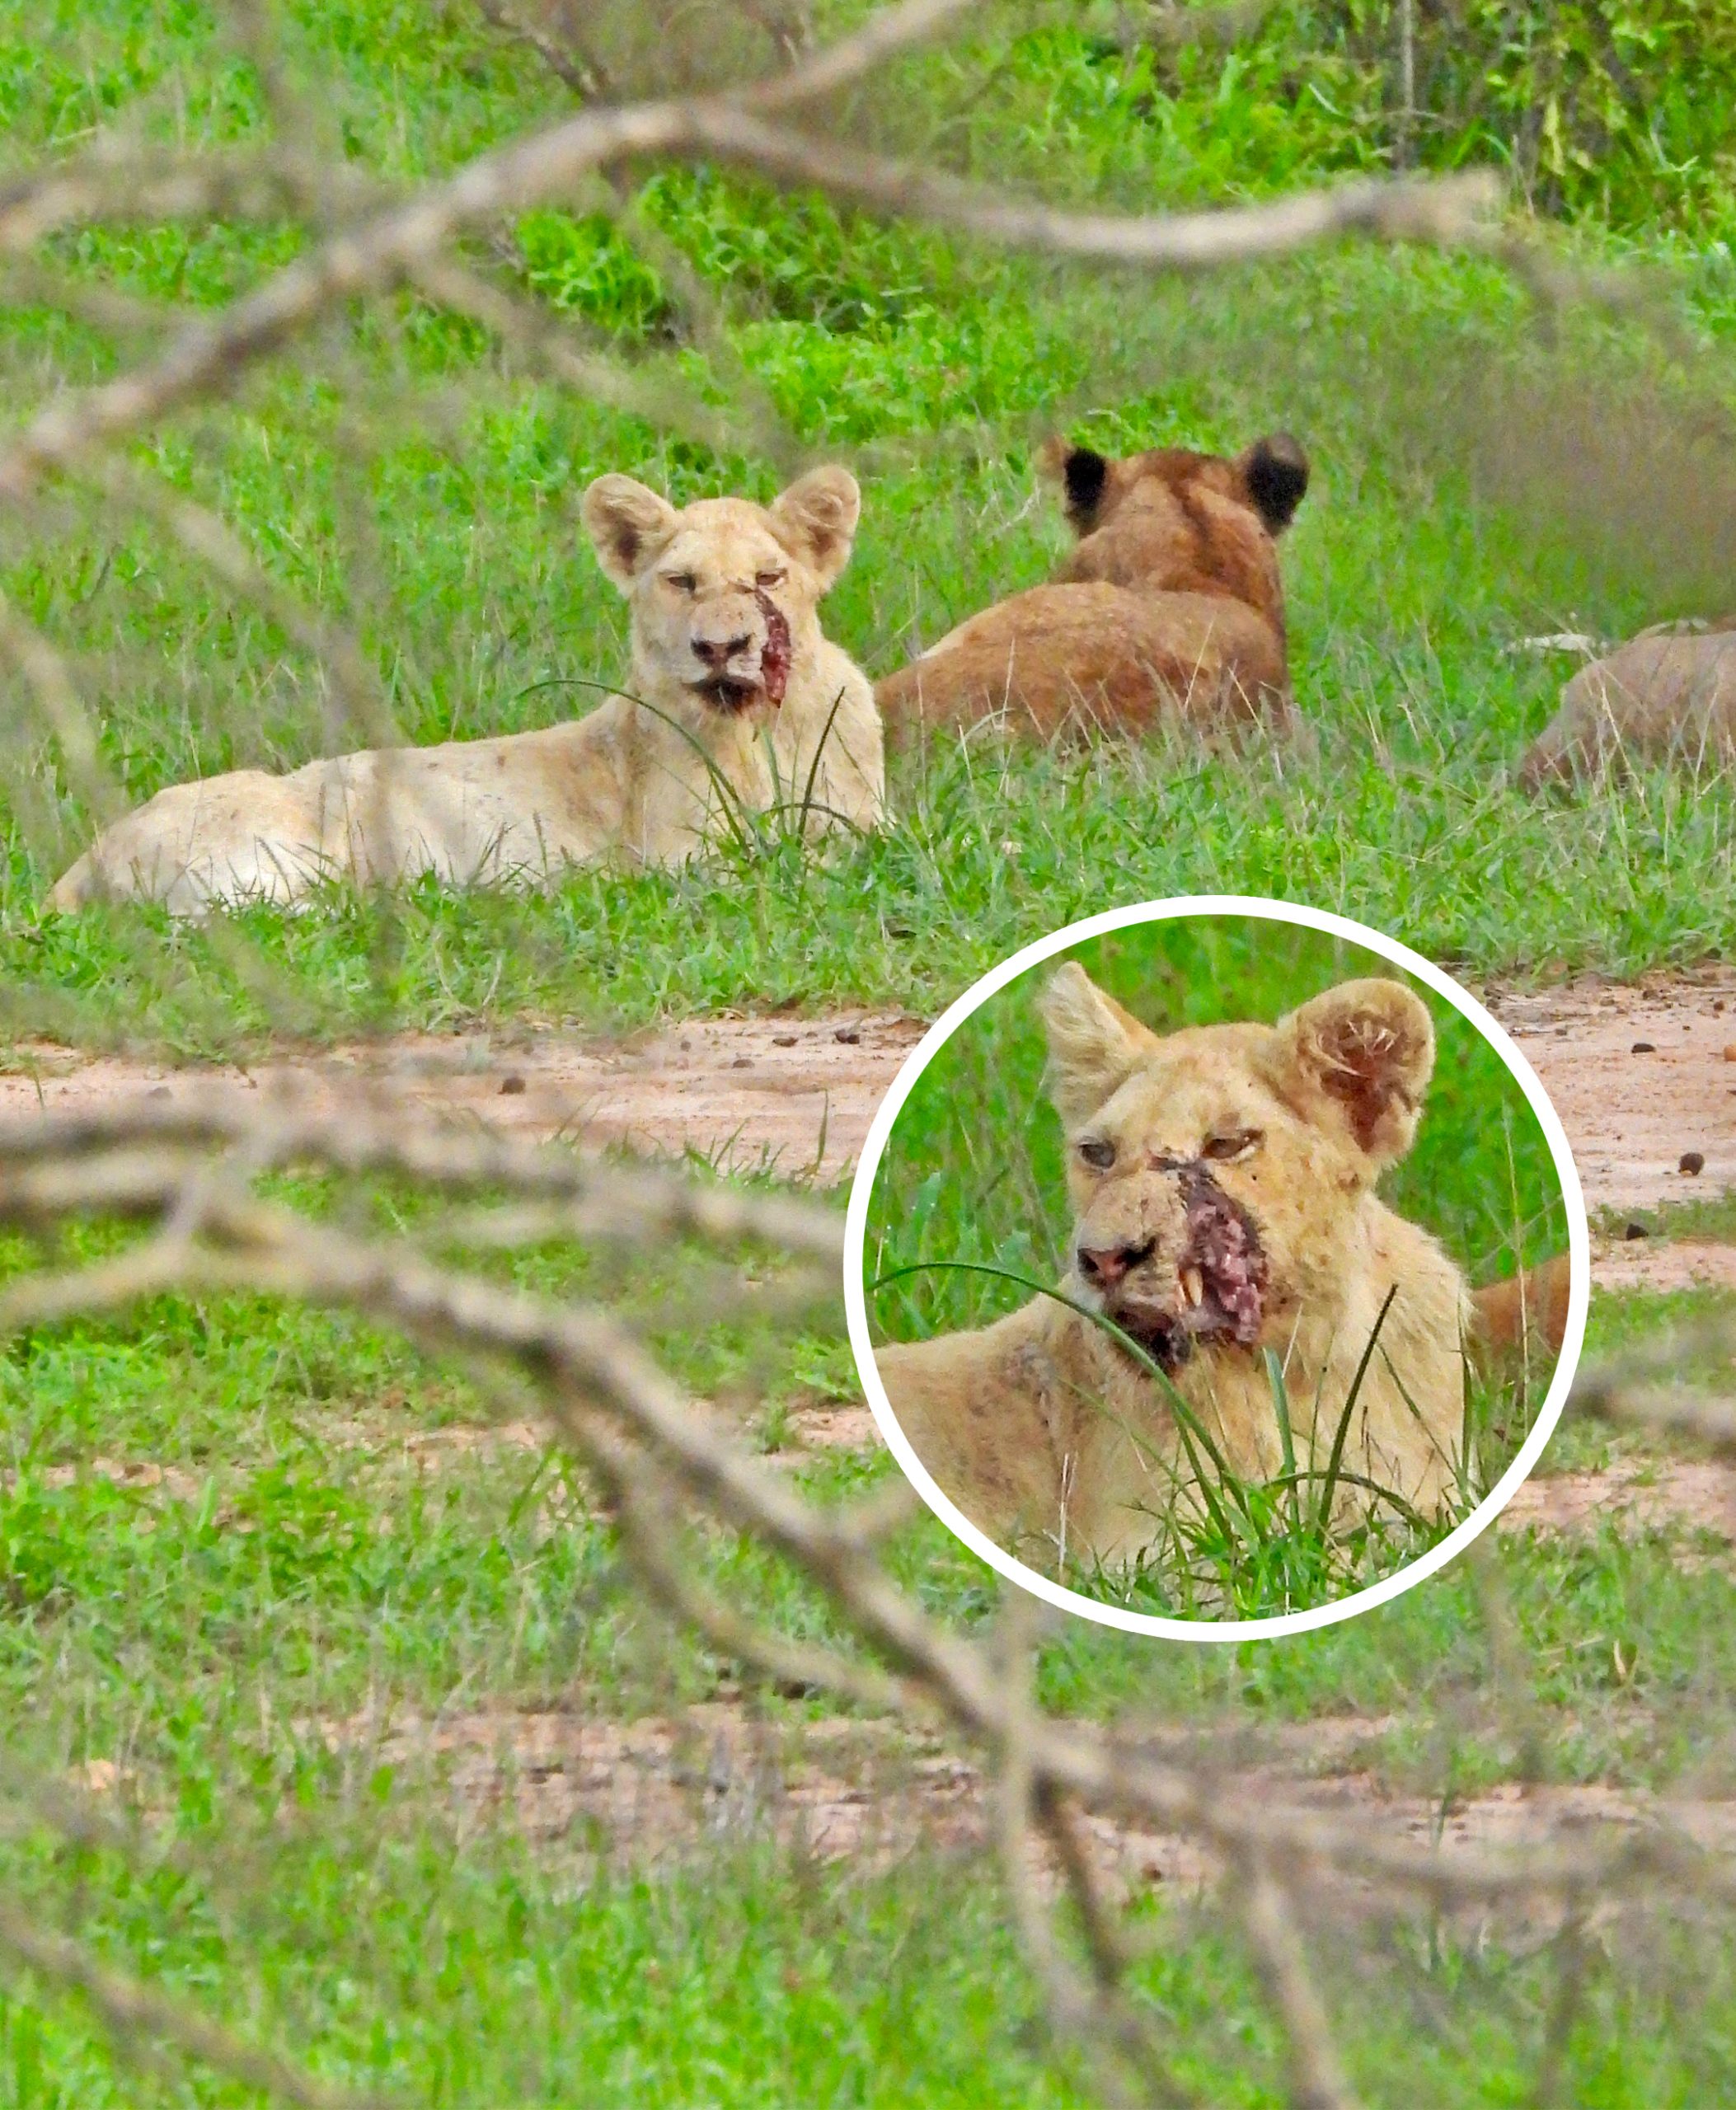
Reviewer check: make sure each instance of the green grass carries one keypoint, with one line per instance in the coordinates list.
(307, 1577)
(1474, 484)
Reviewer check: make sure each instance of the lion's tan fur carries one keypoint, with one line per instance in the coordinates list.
(1664, 696)
(636, 779)
(1047, 1434)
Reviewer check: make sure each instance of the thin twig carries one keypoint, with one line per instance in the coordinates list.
(575, 67)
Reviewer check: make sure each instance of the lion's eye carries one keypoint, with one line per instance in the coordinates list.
(769, 577)
(1097, 1152)
(1238, 1143)
(683, 582)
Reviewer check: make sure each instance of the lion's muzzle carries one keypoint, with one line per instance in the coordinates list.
(746, 650)
(1201, 1282)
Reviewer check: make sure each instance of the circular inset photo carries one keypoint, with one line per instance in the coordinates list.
(1217, 1268)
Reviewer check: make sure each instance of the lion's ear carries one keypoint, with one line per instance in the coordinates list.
(1275, 471)
(1094, 1046)
(1360, 1056)
(1082, 473)
(627, 525)
(815, 520)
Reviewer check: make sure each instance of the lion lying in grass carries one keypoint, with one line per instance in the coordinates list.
(1667, 695)
(1223, 1186)
(1169, 613)
(737, 701)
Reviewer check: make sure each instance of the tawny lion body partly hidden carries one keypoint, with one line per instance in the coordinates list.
(1168, 614)
(1223, 1187)
(735, 697)
(1669, 694)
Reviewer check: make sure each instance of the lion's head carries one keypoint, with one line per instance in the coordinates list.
(1216, 1172)
(1172, 521)
(724, 593)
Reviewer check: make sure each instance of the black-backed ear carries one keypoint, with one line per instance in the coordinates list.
(1082, 473)
(1275, 471)
(1360, 1056)
(627, 525)
(1093, 1045)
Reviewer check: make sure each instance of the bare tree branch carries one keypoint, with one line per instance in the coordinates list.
(567, 59)
(186, 1169)
(1317, 2079)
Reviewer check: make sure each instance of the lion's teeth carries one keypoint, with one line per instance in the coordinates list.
(1192, 1285)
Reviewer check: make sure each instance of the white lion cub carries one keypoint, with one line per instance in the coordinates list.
(737, 698)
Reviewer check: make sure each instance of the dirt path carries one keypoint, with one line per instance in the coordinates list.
(799, 1092)
(793, 1094)
(1640, 1077)
(664, 1788)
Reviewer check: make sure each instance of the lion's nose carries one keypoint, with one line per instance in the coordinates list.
(1104, 1266)
(718, 651)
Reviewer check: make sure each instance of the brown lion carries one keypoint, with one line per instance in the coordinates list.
(1169, 613)
(1222, 1180)
(1668, 695)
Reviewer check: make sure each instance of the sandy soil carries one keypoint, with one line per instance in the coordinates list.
(1696, 1494)
(799, 1092)
(1631, 1117)
(793, 1094)
(662, 1789)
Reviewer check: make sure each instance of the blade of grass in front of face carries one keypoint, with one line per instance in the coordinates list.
(1286, 1442)
(1334, 1463)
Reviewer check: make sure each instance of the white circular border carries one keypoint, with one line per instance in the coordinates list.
(856, 1299)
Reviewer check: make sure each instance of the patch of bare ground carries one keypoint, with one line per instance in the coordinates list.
(1663, 1265)
(794, 1095)
(666, 1789)
(1638, 1073)
(798, 1094)
(1686, 1494)
(141, 1475)
(812, 1430)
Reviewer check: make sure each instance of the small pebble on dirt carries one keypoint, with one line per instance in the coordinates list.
(1635, 1231)
(1645, 1047)
(512, 1082)
(1729, 1052)
(783, 1040)
(158, 1092)
(848, 1035)
(1691, 1161)
(743, 1062)
(1719, 1005)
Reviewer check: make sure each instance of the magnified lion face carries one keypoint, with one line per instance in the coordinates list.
(1215, 1172)
(724, 593)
